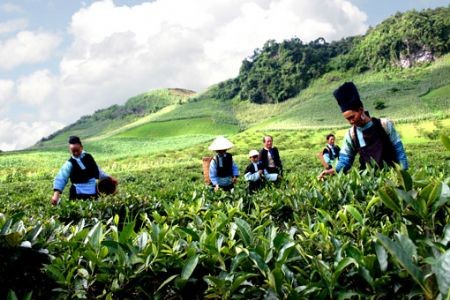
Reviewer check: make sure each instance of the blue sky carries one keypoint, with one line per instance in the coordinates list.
(60, 60)
(378, 10)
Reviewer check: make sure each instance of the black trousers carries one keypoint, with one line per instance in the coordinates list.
(275, 170)
(254, 186)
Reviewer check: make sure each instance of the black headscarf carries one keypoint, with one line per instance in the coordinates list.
(347, 97)
(74, 140)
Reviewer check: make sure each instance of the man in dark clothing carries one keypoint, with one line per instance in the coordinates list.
(269, 159)
(371, 138)
(83, 172)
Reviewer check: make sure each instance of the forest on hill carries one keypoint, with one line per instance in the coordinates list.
(279, 71)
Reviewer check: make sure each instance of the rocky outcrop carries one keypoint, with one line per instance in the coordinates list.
(416, 58)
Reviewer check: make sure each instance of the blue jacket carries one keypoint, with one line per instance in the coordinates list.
(348, 150)
(88, 188)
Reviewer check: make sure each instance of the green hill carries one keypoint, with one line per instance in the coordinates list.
(309, 74)
(105, 121)
(392, 94)
(424, 89)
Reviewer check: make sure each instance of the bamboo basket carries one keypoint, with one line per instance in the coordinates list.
(206, 162)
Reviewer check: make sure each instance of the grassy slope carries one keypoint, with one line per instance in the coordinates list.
(96, 126)
(178, 136)
(422, 90)
(178, 127)
(198, 120)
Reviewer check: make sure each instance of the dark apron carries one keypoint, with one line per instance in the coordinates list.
(378, 146)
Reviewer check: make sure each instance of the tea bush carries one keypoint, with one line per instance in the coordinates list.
(164, 235)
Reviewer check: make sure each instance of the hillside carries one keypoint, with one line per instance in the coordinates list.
(104, 121)
(200, 117)
(280, 71)
(309, 74)
(399, 91)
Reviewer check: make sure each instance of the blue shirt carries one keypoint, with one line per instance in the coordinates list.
(61, 179)
(348, 151)
(221, 181)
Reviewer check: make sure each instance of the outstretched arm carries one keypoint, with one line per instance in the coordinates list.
(347, 154)
(213, 173)
(60, 181)
(252, 176)
(400, 153)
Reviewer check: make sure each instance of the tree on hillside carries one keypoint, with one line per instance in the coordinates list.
(280, 71)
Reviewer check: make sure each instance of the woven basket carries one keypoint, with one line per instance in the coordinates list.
(206, 162)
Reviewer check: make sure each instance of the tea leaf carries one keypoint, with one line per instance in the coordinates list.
(404, 258)
(404, 179)
(11, 295)
(389, 200)
(167, 281)
(344, 263)
(245, 231)
(355, 213)
(446, 141)
(259, 262)
(441, 269)
(192, 233)
(446, 237)
(237, 260)
(382, 257)
(189, 267)
(95, 235)
(239, 280)
(127, 232)
(443, 198)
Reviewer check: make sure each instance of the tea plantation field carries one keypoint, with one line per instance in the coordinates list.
(164, 235)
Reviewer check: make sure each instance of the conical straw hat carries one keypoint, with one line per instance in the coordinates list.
(220, 143)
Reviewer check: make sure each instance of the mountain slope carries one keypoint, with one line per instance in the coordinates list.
(416, 93)
(398, 93)
(402, 95)
(105, 121)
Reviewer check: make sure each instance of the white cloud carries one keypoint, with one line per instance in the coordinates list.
(19, 135)
(13, 25)
(187, 43)
(6, 91)
(36, 88)
(27, 47)
(120, 51)
(10, 7)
